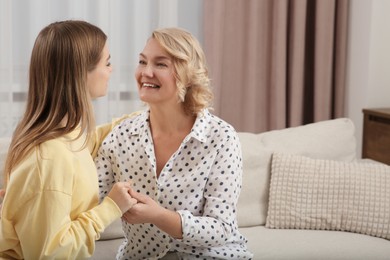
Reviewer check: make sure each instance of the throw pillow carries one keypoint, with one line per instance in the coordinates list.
(331, 139)
(320, 194)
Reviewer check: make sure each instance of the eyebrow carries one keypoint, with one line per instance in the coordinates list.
(157, 58)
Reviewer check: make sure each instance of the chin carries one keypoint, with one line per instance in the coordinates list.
(98, 96)
(143, 99)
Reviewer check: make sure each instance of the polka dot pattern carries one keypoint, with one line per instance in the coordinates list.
(201, 181)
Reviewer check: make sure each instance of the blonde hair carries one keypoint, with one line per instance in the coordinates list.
(189, 61)
(63, 54)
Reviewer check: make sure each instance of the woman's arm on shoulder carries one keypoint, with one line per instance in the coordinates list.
(103, 130)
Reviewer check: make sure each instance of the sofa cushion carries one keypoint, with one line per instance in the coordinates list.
(319, 194)
(107, 249)
(330, 139)
(296, 244)
(113, 231)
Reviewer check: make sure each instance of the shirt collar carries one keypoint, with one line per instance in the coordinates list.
(140, 125)
(202, 124)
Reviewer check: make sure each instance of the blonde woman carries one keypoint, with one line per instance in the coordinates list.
(50, 209)
(185, 163)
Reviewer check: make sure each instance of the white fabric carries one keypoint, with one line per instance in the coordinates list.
(294, 244)
(331, 139)
(202, 187)
(318, 194)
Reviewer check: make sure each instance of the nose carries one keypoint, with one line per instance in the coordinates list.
(147, 71)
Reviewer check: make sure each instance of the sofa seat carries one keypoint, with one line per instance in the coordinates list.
(296, 244)
(106, 249)
(278, 244)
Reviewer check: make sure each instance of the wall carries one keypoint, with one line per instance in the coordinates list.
(368, 79)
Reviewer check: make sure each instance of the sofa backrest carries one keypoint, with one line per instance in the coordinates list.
(331, 139)
(4, 144)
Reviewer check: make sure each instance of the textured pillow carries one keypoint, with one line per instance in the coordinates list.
(319, 194)
(330, 139)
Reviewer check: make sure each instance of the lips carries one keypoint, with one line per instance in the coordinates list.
(149, 85)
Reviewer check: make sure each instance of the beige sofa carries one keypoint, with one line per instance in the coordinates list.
(274, 234)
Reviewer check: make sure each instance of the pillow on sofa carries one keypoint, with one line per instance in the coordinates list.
(319, 194)
(330, 139)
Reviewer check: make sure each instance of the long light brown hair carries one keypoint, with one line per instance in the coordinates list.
(63, 54)
(189, 60)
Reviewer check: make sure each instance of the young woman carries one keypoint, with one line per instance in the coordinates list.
(185, 163)
(50, 209)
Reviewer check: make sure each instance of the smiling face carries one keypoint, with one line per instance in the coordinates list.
(97, 81)
(155, 75)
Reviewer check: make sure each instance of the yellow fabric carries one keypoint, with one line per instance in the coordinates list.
(50, 210)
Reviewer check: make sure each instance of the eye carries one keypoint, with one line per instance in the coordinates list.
(108, 64)
(142, 62)
(161, 65)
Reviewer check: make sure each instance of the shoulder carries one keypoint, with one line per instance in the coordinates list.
(55, 150)
(120, 120)
(58, 160)
(218, 125)
(129, 125)
(221, 123)
(47, 167)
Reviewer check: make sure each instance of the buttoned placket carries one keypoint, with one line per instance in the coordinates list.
(165, 172)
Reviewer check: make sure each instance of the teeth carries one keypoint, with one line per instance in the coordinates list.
(150, 85)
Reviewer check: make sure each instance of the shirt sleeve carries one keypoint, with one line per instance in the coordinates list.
(104, 170)
(103, 161)
(45, 234)
(45, 226)
(218, 222)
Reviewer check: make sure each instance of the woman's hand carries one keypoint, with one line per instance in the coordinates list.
(149, 211)
(120, 194)
(145, 211)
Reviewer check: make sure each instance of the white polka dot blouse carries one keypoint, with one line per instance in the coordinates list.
(201, 181)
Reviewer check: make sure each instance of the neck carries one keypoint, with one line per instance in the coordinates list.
(170, 121)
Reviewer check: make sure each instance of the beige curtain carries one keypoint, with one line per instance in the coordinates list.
(276, 63)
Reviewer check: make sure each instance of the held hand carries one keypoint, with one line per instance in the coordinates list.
(149, 211)
(120, 194)
(144, 211)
